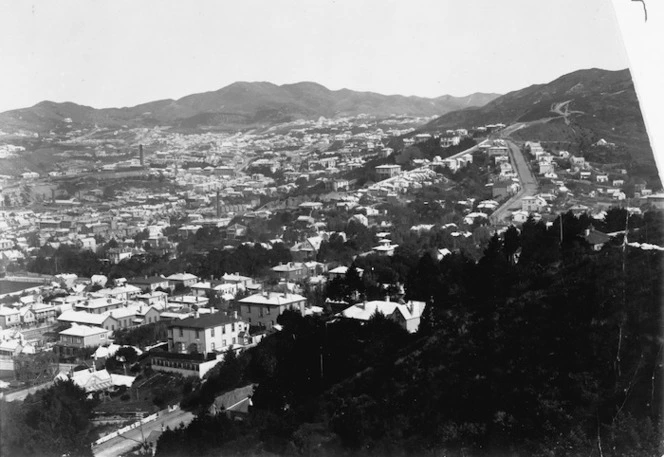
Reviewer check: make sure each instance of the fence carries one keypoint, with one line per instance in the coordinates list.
(129, 427)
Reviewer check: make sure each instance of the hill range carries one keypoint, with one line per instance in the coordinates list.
(579, 108)
(239, 105)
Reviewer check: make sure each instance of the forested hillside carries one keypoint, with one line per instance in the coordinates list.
(543, 347)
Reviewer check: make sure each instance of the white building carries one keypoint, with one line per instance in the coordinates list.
(408, 315)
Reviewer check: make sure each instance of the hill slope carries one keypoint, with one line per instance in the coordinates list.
(239, 104)
(597, 103)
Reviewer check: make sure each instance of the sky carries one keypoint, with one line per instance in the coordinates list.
(122, 53)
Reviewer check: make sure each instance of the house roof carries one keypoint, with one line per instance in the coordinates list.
(596, 237)
(235, 277)
(290, 266)
(364, 311)
(206, 321)
(83, 330)
(272, 299)
(82, 317)
(8, 311)
(182, 277)
(148, 281)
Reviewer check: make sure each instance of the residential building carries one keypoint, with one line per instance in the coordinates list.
(99, 305)
(595, 238)
(340, 272)
(545, 167)
(105, 320)
(157, 299)
(307, 249)
(9, 317)
(533, 204)
(78, 337)
(216, 332)
(408, 315)
(240, 282)
(291, 271)
(505, 188)
(184, 279)
(498, 151)
(388, 171)
(264, 308)
(150, 283)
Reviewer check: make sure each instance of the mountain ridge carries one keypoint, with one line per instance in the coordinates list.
(247, 103)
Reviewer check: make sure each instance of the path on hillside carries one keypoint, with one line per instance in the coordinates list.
(527, 180)
(562, 108)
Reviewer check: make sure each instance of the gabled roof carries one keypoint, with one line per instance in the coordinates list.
(83, 330)
(148, 281)
(596, 237)
(364, 311)
(82, 317)
(182, 277)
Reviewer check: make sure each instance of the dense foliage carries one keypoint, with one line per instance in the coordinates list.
(543, 347)
(142, 336)
(53, 422)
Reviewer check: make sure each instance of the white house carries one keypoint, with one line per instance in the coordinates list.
(214, 332)
(408, 315)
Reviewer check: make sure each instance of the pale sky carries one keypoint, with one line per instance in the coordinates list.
(122, 53)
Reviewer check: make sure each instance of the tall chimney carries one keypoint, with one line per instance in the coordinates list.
(141, 155)
(218, 205)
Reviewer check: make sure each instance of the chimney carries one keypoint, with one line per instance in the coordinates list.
(218, 205)
(141, 155)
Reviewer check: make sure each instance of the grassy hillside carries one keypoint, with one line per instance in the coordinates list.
(604, 105)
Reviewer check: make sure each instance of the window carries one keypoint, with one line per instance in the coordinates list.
(267, 310)
(234, 340)
(223, 343)
(212, 333)
(233, 327)
(223, 329)
(181, 331)
(198, 334)
(212, 347)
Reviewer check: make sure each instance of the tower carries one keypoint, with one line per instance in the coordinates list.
(141, 154)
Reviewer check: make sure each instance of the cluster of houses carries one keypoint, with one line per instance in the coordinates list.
(89, 312)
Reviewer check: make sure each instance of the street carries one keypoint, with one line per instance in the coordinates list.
(526, 178)
(133, 438)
